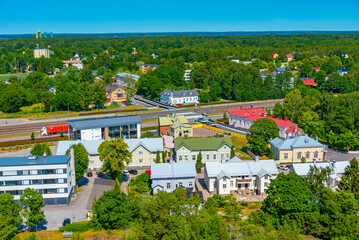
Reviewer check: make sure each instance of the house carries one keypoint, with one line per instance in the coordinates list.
(179, 130)
(278, 70)
(168, 145)
(127, 126)
(237, 175)
(284, 65)
(342, 71)
(154, 55)
(121, 78)
(181, 97)
(52, 176)
(165, 123)
(289, 57)
(244, 118)
(309, 81)
(337, 170)
(144, 151)
(187, 75)
(144, 67)
(41, 52)
(115, 93)
(212, 149)
(316, 68)
(52, 89)
(294, 149)
(274, 55)
(91, 147)
(169, 176)
(74, 62)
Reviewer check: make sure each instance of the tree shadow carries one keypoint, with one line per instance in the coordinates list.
(82, 181)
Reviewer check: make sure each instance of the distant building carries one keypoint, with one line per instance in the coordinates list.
(274, 55)
(106, 128)
(182, 97)
(52, 89)
(154, 55)
(244, 118)
(115, 93)
(278, 71)
(289, 57)
(144, 67)
(52, 176)
(316, 68)
(309, 81)
(342, 71)
(39, 52)
(337, 171)
(170, 176)
(213, 149)
(164, 123)
(76, 63)
(120, 78)
(294, 149)
(187, 75)
(237, 175)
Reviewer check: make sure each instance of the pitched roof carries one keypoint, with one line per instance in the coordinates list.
(151, 144)
(177, 125)
(278, 121)
(40, 160)
(181, 93)
(247, 112)
(316, 68)
(112, 87)
(105, 122)
(168, 140)
(250, 168)
(310, 82)
(302, 169)
(280, 69)
(91, 146)
(289, 56)
(170, 120)
(198, 144)
(297, 142)
(173, 170)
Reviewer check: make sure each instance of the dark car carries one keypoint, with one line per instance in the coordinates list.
(66, 221)
(133, 172)
(100, 174)
(89, 174)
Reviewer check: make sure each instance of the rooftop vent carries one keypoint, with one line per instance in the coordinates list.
(306, 140)
(32, 157)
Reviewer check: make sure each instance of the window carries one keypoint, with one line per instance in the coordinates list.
(10, 183)
(48, 181)
(194, 157)
(231, 183)
(214, 157)
(222, 156)
(91, 163)
(180, 184)
(265, 184)
(285, 155)
(35, 181)
(168, 185)
(316, 154)
(60, 171)
(60, 180)
(190, 184)
(180, 158)
(153, 160)
(140, 160)
(225, 147)
(299, 155)
(224, 186)
(61, 190)
(25, 172)
(266, 177)
(207, 157)
(255, 183)
(227, 156)
(307, 154)
(52, 190)
(9, 173)
(186, 158)
(140, 153)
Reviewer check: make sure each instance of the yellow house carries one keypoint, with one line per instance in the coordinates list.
(115, 93)
(294, 149)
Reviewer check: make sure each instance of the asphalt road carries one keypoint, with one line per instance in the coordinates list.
(339, 156)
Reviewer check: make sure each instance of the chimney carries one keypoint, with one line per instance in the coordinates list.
(286, 119)
(316, 138)
(251, 106)
(256, 158)
(45, 154)
(73, 176)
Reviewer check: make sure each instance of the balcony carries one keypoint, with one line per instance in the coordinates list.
(245, 180)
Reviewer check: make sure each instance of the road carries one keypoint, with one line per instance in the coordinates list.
(339, 156)
(13, 127)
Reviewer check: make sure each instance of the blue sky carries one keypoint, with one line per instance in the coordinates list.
(111, 16)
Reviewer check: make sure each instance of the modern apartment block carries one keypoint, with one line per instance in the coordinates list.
(39, 52)
(187, 75)
(105, 128)
(53, 176)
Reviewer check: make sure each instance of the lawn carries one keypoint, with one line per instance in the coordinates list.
(250, 208)
(240, 143)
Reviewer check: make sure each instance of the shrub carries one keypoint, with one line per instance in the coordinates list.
(77, 227)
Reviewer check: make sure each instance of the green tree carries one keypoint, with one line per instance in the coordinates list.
(99, 93)
(62, 132)
(10, 210)
(130, 87)
(32, 202)
(261, 131)
(115, 155)
(225, 115)
(319, 77)
(117, 185)
(303, 159)
(115, 210)
(316, 178)
(81, 159)
(350, 178)
(7, 231)
(158, 157)
(233, 153)
(32, 136)
(40, 149)
(199, 163)
(140, 184)
(164, 154)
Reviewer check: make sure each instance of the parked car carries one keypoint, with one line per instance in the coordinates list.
(133, 172)
(126, 172)
(131, 102)
(283, 167)
(66, 221)
(99, 174)
(89, 174)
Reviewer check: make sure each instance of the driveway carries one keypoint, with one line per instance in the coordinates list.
(339, 156)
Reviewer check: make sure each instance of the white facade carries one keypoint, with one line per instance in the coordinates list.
(91, 134)
(179, 97)
(54, 181)
(76, 63)
(187, 75)
(185, 154)
(39, 52)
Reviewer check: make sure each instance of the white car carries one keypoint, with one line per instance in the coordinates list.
(126, 172)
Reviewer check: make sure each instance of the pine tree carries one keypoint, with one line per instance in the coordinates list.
(233, 154)
(199, 163)
(164, 156)
(32, 136)
(158, 158)
(117, 185)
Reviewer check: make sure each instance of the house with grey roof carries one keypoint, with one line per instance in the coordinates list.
(337, 170)
(294, 149)
(181, 97)
(169, 176)
(241, 176)
(128, 126)
(144, 151)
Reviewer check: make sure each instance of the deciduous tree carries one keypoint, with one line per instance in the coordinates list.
(32, 202)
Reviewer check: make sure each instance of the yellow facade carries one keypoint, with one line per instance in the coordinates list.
(293, 156)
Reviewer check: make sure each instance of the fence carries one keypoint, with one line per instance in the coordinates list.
(200, 125)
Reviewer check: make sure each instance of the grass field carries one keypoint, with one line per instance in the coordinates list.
(250, 208)
(240, 143)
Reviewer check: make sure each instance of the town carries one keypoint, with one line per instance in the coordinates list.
(132, 137)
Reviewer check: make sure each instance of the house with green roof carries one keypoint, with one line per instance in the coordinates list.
(213, 149)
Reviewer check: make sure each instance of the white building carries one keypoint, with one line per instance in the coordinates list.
(187, 75)
(53, 176)
(174, 97)
(120, 78)
(237, 175)
(76, 63)
(39, 52)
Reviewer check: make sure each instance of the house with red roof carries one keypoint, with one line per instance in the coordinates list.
(316, 68)
(73, 62)
(244, 118)
(274, 55)
(289, 57)
(309, 81)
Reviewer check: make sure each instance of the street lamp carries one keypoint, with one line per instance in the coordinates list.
(73, 213)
